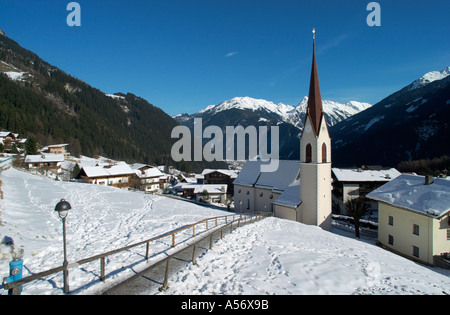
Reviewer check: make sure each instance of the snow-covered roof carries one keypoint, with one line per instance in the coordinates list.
(4, 134)
(57, 145)
(136, 166)
(230, 173)
(290, 197)
(355, 175)
(44, 158)
(211, 189)
(121, 169)
(285, 176)
(150, 172)
(249, 174)
(199, 188)
(410, 192)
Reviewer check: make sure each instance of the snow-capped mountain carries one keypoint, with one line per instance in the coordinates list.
(277, 113)
(247, 111)
(335, 112)
(429, 77)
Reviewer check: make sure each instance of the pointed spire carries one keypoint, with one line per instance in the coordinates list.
(315, 108)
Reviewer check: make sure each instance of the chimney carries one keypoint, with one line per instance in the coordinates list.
(428, 180)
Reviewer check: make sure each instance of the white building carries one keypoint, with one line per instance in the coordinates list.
(352, 183)
(414, 216)
(150, 179)
(257, 191)
(116, 175)
(47, 162)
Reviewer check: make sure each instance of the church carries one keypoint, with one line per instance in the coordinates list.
(303, 192)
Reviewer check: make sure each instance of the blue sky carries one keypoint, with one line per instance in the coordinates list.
(183, 55)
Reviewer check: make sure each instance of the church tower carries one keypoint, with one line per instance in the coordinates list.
(315, 159)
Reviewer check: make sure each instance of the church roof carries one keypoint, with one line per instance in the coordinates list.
(285, 176)
(315, 108)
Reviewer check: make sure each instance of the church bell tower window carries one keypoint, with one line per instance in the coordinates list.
(308, 153)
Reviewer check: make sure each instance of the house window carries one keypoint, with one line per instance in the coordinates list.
(308, 153)
(448, 234)
(415, 229)
(415, 251)
(391, 220)
(324, 153)
(261, 194)
(391, 240)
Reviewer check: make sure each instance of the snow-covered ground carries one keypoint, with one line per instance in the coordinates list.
(102, 219)
(282, 257)
(270, 257)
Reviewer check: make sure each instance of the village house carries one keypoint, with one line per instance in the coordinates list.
(119, 175)
(199, 192)
(258, 191)
(57, 149)
(7, 137)
(353, 183)
(46, 162)
(414, 217)
(220, 176)
(149, 179)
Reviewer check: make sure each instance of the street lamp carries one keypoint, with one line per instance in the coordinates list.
(63, 208)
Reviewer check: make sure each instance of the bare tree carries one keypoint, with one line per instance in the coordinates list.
(357, 208)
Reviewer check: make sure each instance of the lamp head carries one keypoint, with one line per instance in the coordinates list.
(63, 208)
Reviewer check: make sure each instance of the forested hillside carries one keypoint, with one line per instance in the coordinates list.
(40, 100)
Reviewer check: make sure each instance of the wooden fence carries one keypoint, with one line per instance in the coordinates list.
(209, 223)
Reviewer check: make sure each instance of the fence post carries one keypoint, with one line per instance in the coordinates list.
(147, 251)
(173, 240)
(102, 269)
(193, 229)
(166, 277)
(194, 255)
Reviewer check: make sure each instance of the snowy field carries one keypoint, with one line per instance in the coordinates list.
(102, 219)
(270, 257)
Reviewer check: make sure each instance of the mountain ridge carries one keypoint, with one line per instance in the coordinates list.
(289, 114)
(410, 124)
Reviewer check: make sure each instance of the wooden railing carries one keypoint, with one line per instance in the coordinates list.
(227, 220)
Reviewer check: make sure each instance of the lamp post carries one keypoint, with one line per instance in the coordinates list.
(63, 208)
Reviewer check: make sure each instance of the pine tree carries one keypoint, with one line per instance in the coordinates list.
(31, 146)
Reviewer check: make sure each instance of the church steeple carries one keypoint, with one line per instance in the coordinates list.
(315, 159)
(315, 108)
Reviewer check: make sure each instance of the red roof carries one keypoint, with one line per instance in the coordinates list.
(315, 108)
